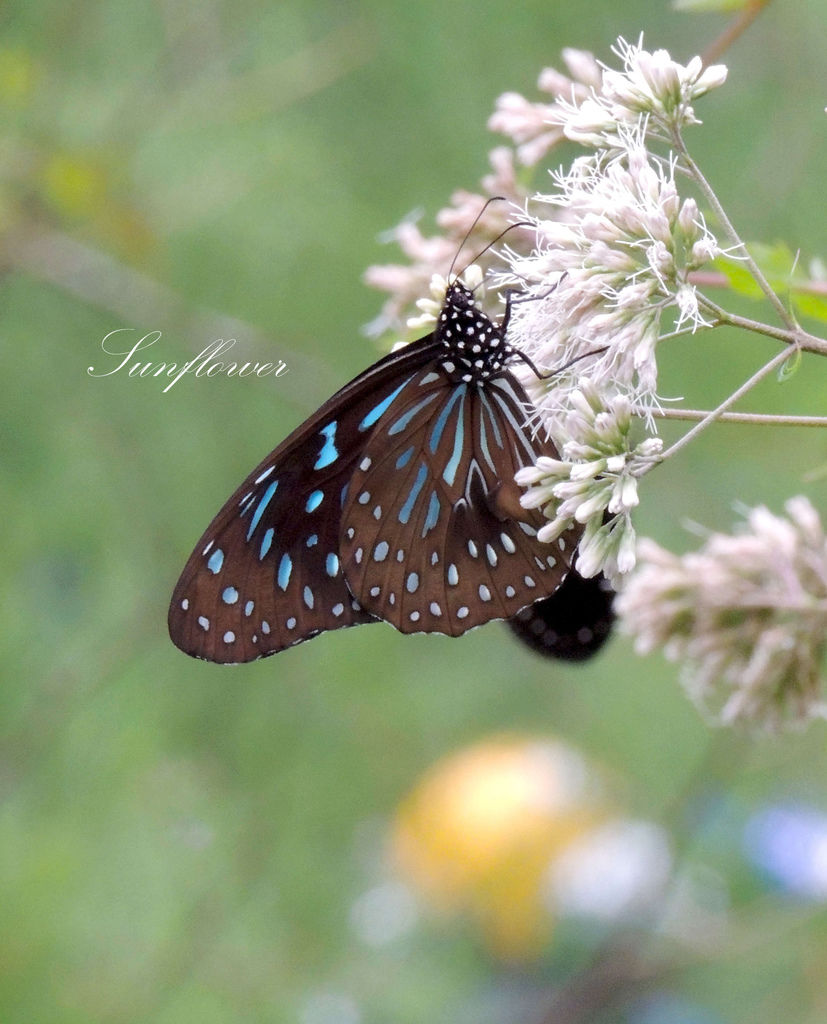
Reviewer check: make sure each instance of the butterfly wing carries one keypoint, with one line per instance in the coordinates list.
(573, 623)
(432, 535)
(266, 573)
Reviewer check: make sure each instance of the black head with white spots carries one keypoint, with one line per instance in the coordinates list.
(475, 346)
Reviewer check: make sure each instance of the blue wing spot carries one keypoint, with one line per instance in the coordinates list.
(291, 623)
(329, 452)
(382, 407)
(380, 552)
(216, 561)
(332, 564)
(450, 471)
(406, 418)
(314, 501)
(204, 622)
(433, 514)
(442, 419)
(230, 595)
(229, 636)
(412, 583)
(407, 508)
(285, 569)
(404, 458)
(248, 608)
(265, 626)
(308, 597)
(312, 540)
(264, 475)
(337, 609)
(266, 541)
(262, 505)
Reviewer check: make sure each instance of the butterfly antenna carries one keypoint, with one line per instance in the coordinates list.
(470, 231)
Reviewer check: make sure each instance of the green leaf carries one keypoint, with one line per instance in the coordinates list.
(783, 271)
(789, 368)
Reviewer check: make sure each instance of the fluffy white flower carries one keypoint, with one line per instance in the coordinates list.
(747, 614)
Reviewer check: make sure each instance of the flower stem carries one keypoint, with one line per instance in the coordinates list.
(712, 199)
(766, 419)
(715, 414)
(803, 339)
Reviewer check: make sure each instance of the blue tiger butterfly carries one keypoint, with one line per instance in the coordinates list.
(395, 501)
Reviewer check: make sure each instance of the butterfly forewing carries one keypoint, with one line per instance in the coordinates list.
(433, 538)
(267, 574)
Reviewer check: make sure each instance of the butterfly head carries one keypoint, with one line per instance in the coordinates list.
(474, 346)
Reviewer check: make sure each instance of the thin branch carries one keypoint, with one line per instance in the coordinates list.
(797, 336)
(709, 194)
(765, 419)
(713, 416)
(745, 17)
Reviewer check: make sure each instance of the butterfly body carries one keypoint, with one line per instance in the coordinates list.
(395, 501)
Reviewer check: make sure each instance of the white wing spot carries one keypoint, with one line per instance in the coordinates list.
(491, 555)
(414, 616)
(485, 593)
(510, 591)
(265, 626)
(462, 612)
(229, 636)
(508, 543)
(453, 575)
(364, 465)
(185, 603)
(529, 582)
(291, 623)
(435, 609)
(204, 622)
(472, 549)
(337, 609)
(412, 583)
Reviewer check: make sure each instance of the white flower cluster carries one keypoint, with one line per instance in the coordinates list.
(621, 255)
(613, 250)
(651, 84)
(595, 481)
(615, 255)
(747, 614)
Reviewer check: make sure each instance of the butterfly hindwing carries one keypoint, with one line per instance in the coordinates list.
(573, 623)
(433, 538)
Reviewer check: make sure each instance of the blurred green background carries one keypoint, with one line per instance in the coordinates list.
(181, 842)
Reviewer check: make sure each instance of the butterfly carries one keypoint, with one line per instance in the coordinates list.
(573, 623)
(396, 501)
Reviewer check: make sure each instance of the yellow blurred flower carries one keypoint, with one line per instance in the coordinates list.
(75, 185)
(480, 830)
(17, 75)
